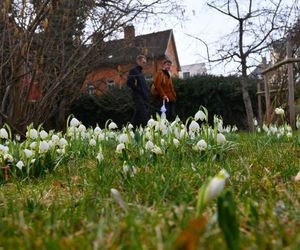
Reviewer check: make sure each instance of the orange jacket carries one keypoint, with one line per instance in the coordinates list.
(164, 86)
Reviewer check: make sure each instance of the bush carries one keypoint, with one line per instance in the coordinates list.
(220, 95)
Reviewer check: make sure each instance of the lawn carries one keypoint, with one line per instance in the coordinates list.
(122, 188)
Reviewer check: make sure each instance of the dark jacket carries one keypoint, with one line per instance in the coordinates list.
(136, 81)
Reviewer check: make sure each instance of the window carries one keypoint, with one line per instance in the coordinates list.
(90, 89)
(186, 75)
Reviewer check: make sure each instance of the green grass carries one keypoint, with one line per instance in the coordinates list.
(72, 207)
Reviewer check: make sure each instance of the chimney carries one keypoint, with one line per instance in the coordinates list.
(129, 32)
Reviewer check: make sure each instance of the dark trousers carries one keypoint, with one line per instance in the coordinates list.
(141, 113)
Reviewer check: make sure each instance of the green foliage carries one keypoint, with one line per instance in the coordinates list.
(228, 220)
(219, 94)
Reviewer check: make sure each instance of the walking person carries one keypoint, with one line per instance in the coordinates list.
(163, 89)
(140, 92)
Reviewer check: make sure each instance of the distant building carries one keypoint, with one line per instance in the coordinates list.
(192, 70)
(117, 57)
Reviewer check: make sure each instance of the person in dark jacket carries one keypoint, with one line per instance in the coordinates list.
(140, 92)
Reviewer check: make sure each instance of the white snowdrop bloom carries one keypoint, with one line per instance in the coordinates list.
(92, 142)
(289, 134)
(101, 137)
(131, 134)
(81, 128)
(18, 137)
(3, 133)
(32, 161)
(100, 156)
(201, 145)
(151, 123)
(120, 148)
(33, 134)
(20, 165)
(74, 122)
(176, 142)
(123, 138)
(156, 150)
(200, 115)
(220, 138)
(44, 147)
(265, 128)
(258, 129)
(43, 134)
(162, 141)
(126, 168)
(216, 185)
(55, 138)
(130, 126)
(33, 145)
(62, 142)
(234, 128)
(3, 149)
(28, 153)
(8, 157)
(110, 135)
(51, 144)
(279, 111)
(255, 123)
(182, 133)
(289, 128)
(112, 125)
(194, 126)
(149, 145)
(298, 122)
(61, 151)
(273, 129)
(148, 135)
(97, 131)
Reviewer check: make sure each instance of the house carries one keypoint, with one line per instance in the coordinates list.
(117, 57)
(192, 70)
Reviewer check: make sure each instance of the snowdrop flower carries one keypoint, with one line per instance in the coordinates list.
(234, 128)
(265, 128)
(162, 141)
(101, 137)
(120, 148)
(216, 185)
(61, 151)
(8, 157)
(18, 137)
(176, 142)
(3, 133)
(100, 156)
(130, 126)
(201, 145)
(74, 122)
(33, 134)
(81, 128)
(149, 145)
(62, 142)
(194, 126)
(148, 135)
(33, 145)
(298, 122)
(20, 165)
(156, 150)
(289, 135)
(3, 148)
(182, 133)
(43, 134)
(112, 125)
(279, 111)
(97, 131)
(92, 142)
(28, 153)
(200, 116)
(55, 138)
(44, 146)
(151, 123)
(220, 138)
(123, 138)
(255, 122)
(273, 129)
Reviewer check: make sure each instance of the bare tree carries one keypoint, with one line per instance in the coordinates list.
(259, 23)
(46, 48)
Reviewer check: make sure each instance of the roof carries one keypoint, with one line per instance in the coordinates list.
(124, 51)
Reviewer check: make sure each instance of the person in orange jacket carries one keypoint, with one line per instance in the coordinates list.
(163, 88)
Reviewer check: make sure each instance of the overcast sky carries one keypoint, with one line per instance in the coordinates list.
(202, 22)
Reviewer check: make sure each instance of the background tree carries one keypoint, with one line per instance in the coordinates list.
(259, 23)
(46, 51)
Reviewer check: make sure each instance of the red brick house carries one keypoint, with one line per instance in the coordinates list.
(117, 57)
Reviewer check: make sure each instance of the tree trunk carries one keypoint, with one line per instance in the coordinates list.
(247, 103)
